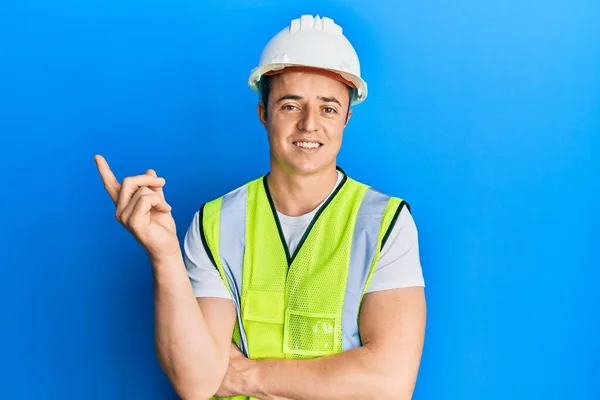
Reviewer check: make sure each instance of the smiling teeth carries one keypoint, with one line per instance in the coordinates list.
(307, 145)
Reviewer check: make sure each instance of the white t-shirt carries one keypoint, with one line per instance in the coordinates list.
(398, 266)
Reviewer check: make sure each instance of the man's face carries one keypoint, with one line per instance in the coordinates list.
(306, 117)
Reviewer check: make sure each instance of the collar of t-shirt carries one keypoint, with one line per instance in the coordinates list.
(306, 218)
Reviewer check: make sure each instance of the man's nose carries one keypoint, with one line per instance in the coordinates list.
(309, 121)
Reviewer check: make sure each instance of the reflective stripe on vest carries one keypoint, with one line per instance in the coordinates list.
(366, 233)
(231, 212)
(231, 249)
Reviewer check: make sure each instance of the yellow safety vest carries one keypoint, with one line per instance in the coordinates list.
(306, 304)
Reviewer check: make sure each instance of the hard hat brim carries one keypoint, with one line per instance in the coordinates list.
(360, 90)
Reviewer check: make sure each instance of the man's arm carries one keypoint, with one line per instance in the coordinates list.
(193, 325)
(392, 326)
(193, 356)
(192, 335)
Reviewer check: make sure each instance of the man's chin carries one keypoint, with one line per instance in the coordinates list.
(306, 169)
(303, 166)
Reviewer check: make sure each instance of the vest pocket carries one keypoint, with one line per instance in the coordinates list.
(263, 315)
(311, 334)
(264, 306)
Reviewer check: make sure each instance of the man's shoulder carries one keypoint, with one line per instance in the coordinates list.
(377, 193)
(231, 200)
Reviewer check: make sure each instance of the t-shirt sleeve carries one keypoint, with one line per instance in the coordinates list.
(399, 264)
(204, 276)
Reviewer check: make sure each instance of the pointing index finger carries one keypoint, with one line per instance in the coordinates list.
(111, 184)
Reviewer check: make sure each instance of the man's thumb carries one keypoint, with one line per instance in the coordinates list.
(151, 172)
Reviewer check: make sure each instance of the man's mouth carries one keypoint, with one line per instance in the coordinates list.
(308, 145)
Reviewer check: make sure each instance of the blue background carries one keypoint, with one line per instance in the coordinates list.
(484, 115)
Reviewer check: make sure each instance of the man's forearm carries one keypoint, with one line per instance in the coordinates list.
(355, 374)
(186, 348)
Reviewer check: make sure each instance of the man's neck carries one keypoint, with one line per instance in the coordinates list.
(295, 195)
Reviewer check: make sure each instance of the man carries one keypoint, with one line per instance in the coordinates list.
(305, 284)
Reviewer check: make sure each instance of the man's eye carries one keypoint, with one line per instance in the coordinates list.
(289, 107)
(329, 110)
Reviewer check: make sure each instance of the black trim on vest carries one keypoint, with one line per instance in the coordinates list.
(203, 237)
(279, 229)
(289, 258)
(394, 219)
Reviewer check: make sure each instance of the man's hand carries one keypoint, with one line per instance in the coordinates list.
(240, 375)
(142, 209)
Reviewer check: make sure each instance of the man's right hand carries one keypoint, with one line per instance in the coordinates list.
(142, 209)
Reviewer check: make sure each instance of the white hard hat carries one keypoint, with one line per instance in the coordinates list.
(315, 43)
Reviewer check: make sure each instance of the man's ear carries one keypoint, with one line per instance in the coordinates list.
(348, 117)
(262, 113)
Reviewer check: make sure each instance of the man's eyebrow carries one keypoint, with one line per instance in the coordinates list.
(289, 97)
(330, 100)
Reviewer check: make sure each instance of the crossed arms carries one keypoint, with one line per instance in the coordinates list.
(193, 340)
